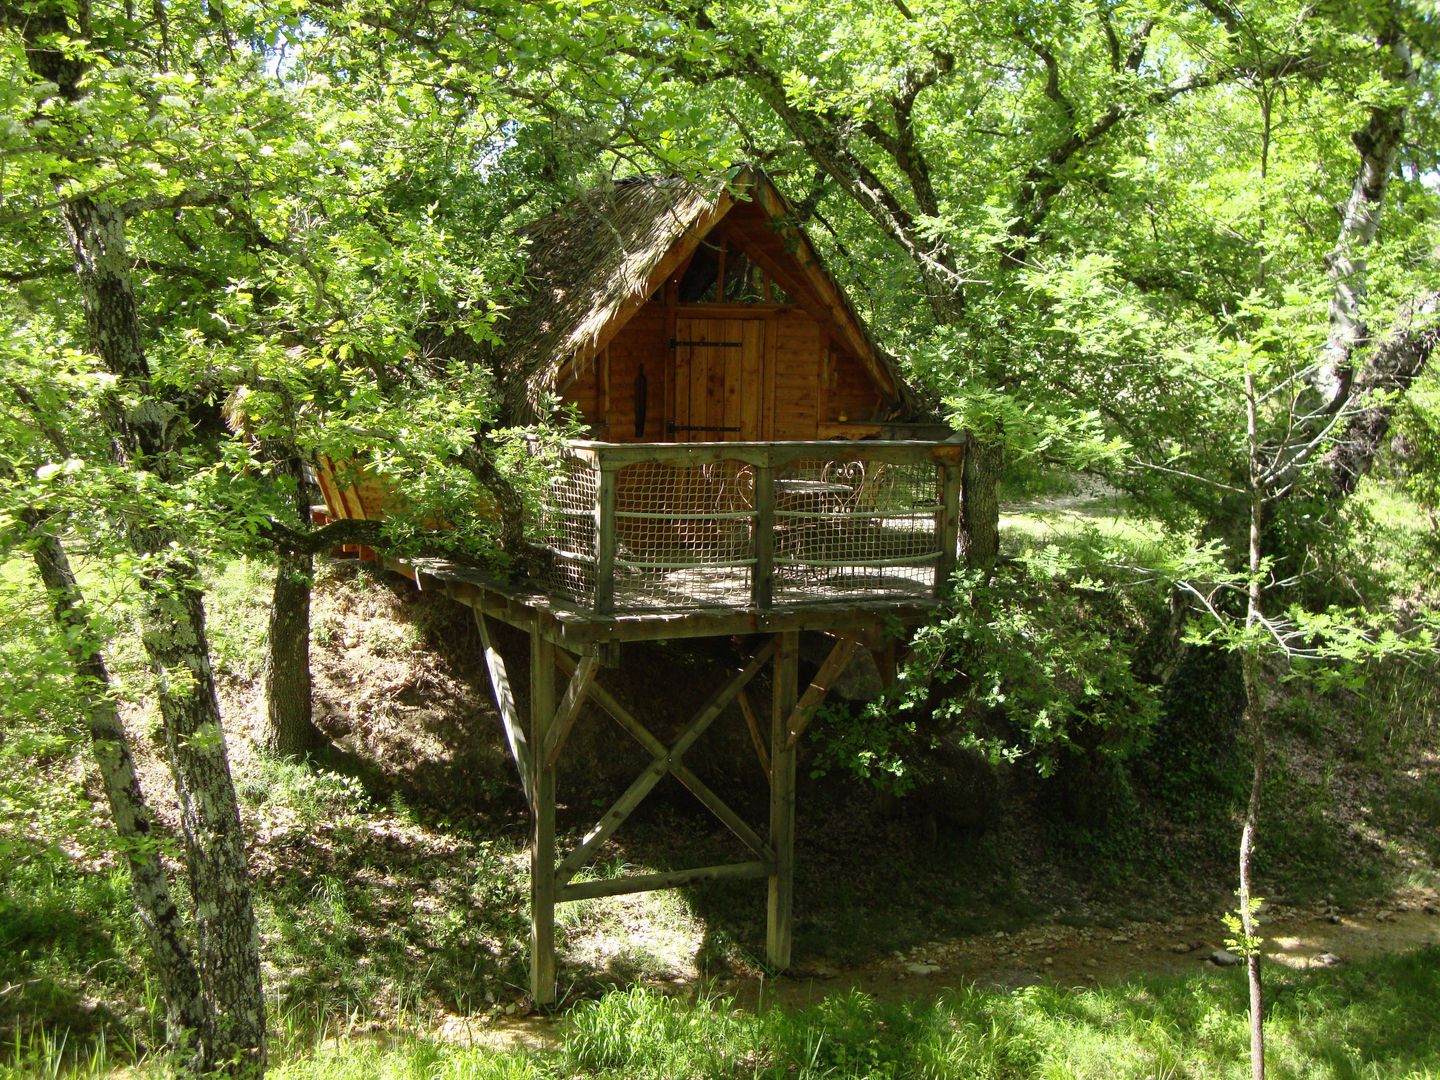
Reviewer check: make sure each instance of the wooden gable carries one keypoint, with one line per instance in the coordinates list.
(739, 334)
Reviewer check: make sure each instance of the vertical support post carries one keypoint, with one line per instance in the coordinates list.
(779, 924)
(605, 540)
(542, 836)
(762, 581)
(947, 525)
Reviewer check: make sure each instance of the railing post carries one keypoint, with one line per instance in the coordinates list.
(605, 539)
(762, 581)
(948, 526)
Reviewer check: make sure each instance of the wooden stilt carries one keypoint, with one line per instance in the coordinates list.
(782, 802)
(542, 838)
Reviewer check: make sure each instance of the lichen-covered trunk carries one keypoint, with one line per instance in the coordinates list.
(1379, 144)
(287, 726)
(172, 629)
(186, 1017)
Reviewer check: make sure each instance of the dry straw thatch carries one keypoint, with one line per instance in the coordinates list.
(586, 261)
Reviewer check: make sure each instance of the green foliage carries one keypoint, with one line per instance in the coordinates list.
(1036, 647)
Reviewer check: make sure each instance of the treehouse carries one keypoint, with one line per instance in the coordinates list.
(757, 467)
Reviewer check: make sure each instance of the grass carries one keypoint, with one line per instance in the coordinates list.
(1374, 1019)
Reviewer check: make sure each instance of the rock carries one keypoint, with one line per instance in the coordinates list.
(1431, 909)
(1326, 959)
(1221, 958)
(860, 681)
(1120, 939)
(1049, 961)
(1182, 947)
(916, 968)
(1092, 962)
(1333, 919)
(1382, 916)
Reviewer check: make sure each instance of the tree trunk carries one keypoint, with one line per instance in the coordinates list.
(1255, 714)
(172, 629)
(185, 1013)
(1388, 372)
(1379, 144)
(287, 726)
(980, 504)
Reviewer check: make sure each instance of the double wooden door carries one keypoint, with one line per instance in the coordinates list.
(719, 381)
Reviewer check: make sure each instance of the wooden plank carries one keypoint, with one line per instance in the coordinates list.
(767, 400)
(752, 723)
(947, 527)
(697, 787)
(505, 702)
(781, 902)
(803, 256)
(646, 781)
(815, 693)
(762, 574)
(752, 364)
(543, 880)
(605, 541)
(734, 360)
(569, 710)
(670, 879)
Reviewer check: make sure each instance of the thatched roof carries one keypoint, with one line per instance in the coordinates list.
(592, 263)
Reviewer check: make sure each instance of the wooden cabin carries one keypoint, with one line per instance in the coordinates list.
(670, 313)
(758, 469)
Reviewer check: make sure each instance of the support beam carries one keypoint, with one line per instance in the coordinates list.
(542, 840)
(779, 926)
(670, 879)
(569, 710)
(509, 715)
(701, 790)
(752, 723)
(663, 763)
(815, 693)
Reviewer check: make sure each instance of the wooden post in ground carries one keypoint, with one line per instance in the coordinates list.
(782, 802)
(542, 837)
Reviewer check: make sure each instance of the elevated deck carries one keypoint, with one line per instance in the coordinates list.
(659, 541)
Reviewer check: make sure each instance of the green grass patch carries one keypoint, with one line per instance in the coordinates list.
(1372, 1020)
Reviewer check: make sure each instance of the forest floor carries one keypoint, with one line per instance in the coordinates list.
(392, 879)
(391, 872)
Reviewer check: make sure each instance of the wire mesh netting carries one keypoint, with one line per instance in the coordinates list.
(853, 528)
(569, 525)
(843, 527)
(684, 535)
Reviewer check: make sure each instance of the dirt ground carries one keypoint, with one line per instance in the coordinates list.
(1047, 952)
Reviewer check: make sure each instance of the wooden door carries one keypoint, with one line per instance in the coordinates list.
(719, 380)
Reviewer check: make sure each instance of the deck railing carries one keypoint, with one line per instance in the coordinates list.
(675, 526)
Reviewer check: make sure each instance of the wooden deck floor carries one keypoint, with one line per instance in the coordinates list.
(838, 607)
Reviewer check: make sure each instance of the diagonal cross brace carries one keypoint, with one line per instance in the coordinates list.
(509, 716)
(667, 760)
(701, 790)
(819, 686)
(569, 710)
